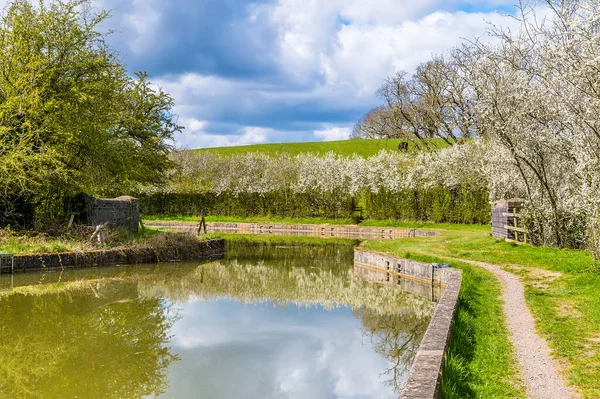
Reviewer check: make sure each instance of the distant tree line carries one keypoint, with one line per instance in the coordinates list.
(391, 185)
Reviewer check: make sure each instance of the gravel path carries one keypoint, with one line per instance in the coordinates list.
(539, 371)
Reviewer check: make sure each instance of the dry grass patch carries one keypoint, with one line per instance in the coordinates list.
(566, 308)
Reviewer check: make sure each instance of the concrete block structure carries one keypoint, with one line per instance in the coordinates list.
(425, 378)
(122, 211)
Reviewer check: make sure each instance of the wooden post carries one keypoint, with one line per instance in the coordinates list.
(514, 211)
(71, 221)
(202, 225)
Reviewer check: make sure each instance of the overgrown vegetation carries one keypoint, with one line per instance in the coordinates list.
(78, 239)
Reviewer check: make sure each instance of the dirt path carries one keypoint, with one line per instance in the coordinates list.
(539, 371)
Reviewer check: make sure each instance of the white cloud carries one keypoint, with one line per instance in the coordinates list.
(334, 133)
(196, 134)
(361, 54)
(329, 58)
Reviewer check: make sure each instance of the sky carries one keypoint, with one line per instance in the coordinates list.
(246, 72)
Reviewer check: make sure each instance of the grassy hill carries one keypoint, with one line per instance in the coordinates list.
(363, 147)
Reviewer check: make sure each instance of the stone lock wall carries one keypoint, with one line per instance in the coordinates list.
(428, 273)
(122, 211)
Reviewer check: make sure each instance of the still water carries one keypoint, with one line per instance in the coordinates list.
(265, 322)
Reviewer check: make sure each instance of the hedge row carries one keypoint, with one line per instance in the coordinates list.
(439, 204)
(281, 204)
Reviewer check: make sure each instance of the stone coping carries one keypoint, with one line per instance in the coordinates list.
(425, 377)
(297, 230)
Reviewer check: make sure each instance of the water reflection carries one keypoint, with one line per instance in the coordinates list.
(104, 341)
(267, 322)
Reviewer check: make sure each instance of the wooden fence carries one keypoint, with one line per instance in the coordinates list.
(518, 230)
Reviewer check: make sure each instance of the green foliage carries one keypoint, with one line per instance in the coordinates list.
(71, 119)
(437, 204)
(280, 204)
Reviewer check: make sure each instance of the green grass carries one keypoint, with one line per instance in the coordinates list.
(76, 240)
(362, 147)
(258, 219)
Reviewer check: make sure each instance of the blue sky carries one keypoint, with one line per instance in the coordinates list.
(244, 72)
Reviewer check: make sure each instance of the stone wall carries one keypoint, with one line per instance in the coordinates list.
(297, 230)
(121, 211)
(428, 273)
(425, 378)
(36, 262)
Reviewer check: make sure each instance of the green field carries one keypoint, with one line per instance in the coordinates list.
(362, 147)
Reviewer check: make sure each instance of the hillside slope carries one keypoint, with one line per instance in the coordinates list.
(362, 147)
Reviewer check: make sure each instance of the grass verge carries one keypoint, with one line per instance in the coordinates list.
(77, 239)
(257, 219)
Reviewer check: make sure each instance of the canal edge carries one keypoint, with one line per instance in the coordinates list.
(425, 377)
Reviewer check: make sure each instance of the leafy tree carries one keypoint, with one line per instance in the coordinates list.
(71, 118)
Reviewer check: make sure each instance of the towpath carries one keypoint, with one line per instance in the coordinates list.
(540, 371)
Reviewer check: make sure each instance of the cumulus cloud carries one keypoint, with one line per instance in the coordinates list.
(330, 59)
(334, 133)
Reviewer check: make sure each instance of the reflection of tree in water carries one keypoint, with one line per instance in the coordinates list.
(395, 337)
(99, 342)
